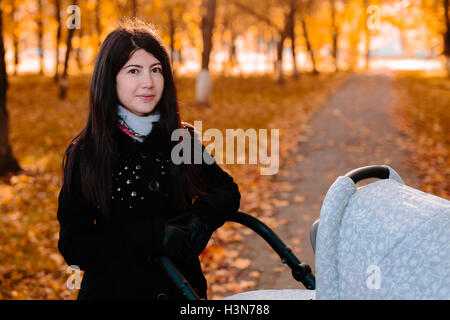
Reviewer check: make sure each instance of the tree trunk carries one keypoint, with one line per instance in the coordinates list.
(79, 51)
(447, 36)
(207, 31)
(334, 34)
(232, 54)
(63, 79)
(15, 37)
(291, 31)
(287, 31)
(279, 62)
(58, 38)
(203, 85)
(7, 162)
(271, 43)
(171, 32)
(308, 46)
(40, 25)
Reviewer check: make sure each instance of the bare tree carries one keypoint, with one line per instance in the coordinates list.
(7, 162)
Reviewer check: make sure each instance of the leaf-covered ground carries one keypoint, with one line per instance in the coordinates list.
(424, 111)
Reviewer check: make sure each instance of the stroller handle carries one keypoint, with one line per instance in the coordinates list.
(300, 271)
(375, 171)
(178, 279)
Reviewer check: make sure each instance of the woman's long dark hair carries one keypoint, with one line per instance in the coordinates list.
(94, 146)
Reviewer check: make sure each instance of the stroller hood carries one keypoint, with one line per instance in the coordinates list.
(382, 241)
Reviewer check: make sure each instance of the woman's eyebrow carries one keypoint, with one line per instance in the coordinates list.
(139, 66)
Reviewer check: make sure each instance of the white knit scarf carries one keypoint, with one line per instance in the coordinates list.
(142, 125)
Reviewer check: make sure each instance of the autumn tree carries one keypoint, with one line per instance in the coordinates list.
(437, 19)
(431, 15)
(229, 32)
(283, 29)
(439, 11)
(335, 30)
(172, 15)
(7, 162)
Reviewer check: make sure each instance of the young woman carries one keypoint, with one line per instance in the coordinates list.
(124, 202)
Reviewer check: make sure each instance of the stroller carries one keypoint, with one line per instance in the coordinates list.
(384, 240)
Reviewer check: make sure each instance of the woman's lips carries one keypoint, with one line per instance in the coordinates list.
(147, 98)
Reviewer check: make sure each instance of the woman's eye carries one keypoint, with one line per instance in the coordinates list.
(132, 71)
(157, 70)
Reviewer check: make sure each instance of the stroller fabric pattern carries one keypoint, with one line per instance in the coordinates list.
(384, 240)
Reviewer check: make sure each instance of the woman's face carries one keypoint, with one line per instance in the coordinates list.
(140, 83)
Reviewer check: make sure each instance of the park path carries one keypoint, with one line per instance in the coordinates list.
(355, 128)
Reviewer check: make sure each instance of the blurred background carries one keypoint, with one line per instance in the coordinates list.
(301, 66)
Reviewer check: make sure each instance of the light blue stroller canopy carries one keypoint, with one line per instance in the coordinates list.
(382, 241)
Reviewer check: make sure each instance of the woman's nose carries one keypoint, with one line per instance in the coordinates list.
(147, 81)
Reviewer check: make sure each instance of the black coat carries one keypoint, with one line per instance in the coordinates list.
(118, 253)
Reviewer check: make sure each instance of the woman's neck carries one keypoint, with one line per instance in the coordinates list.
(139, 126)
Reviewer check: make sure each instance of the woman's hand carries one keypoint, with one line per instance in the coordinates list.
(200, 233)
(176, 242)
(199, 230)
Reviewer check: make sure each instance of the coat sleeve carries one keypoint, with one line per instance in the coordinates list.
(90, 246)
(222, 198)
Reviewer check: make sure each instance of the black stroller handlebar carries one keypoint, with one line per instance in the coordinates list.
(300, 271)
(178, 279)
(375, 171)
